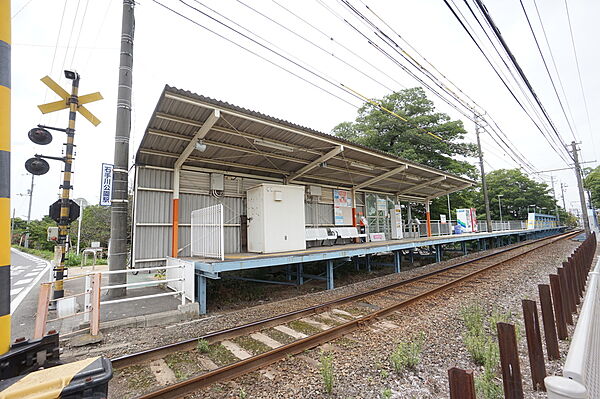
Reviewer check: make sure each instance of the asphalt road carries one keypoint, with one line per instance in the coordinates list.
(26, 274)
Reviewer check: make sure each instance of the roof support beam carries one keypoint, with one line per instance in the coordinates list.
(316, 163)
(200, 134)
(381, 177)
(425, 184)
(458, 188)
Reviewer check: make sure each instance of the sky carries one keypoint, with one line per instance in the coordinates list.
(49, 36)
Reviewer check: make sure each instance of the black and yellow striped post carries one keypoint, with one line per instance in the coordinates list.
(64, 222)
(4, 176)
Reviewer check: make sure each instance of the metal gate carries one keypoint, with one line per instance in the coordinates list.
(207, 232)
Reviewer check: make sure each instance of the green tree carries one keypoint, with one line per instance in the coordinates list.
(95, 226)
(380, 130)
(592, 183)
(518, 193)
(38, 233)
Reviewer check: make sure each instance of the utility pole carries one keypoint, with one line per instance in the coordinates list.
(29, 212)
(5, 29)
(119, 206)
(586, 221)
(555, 202)
(562, 190)
(488, 216)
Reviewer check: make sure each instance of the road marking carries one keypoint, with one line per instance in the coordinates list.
(33, 274)
(23, 282)
(14, 304)
(16, 291)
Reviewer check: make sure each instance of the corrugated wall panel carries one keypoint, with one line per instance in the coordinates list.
(152, 242)
(153, 207)
(155, 178)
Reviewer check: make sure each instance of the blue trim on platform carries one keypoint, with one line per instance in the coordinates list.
(274, 260)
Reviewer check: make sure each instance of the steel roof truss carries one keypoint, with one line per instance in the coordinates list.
(316, 162)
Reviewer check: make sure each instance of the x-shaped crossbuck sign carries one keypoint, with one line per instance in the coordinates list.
(64, 102)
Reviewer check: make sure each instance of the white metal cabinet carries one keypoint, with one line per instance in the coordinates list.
(275, 218)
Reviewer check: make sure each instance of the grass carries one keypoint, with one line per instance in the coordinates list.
(71, 259)
(178, 362)
(386, 393)
(279, 336)
(203, 346)
(253, 346)
(139, 378)
(327, 372)
(407, 354)
(220, 355)
(481, 343)
(303, 327)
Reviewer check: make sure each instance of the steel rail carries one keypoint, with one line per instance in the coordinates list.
(259, 361)
(216, 336)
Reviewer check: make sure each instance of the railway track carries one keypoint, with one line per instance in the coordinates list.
(252, 346)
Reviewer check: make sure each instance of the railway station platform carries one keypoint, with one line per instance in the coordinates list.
(206, 268)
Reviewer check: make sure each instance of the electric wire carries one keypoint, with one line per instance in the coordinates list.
(340, 86)
(313, 44)
(487, 58)
(420, 80)
(252, 52)
(560, 83)
(71, 34)
(547, 69)
(330, 37)
(87, 3)
(579, 76)
(446, 78)
(520, 71)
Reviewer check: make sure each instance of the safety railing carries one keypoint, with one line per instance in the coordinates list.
(207, 239)
(178, 278)
(581, 372)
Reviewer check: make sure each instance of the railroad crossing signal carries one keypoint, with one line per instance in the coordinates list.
(65, 102)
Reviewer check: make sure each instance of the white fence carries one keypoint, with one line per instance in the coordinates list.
(207, 239)
(581, 373)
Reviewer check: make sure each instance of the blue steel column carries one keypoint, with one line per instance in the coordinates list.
(201, 292)
(4, 176)
(397, 261)
(464, 248)
(330, 284)
(368, 262)
(299, 273)
(356, 262)
(438, 253)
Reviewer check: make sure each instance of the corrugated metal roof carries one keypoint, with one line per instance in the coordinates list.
(246, 141)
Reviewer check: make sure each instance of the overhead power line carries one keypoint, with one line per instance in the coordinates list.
(537, 44)
(502, 79)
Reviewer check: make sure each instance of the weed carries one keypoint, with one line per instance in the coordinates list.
(243, 394)
(487, 386)
(327, 372)
(472, 317)
(386, 393)
(203, 346)
(384, 373)
(303, 327)
(407, 354)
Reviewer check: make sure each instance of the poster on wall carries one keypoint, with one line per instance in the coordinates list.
(443, 219)
(381, 204)
(474, 225)
(342, 198)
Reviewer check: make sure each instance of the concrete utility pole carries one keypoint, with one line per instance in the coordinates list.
(117, 259)
(488, 216)
(555, 201)
(562, 190)
(29, 212)
(586, 221)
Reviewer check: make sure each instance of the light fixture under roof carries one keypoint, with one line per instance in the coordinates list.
(200, 146)
(361, 165)
(270, 144)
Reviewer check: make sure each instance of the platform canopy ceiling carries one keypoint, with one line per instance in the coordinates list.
(238, 140)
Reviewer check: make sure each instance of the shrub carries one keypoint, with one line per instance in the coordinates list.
(407, 354)
(327, 372)
(203, 346)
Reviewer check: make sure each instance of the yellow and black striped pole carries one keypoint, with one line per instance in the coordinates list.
(64, 221)
(4, 176)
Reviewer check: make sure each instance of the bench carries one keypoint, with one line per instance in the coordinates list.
(318, 234)
(347, 232)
